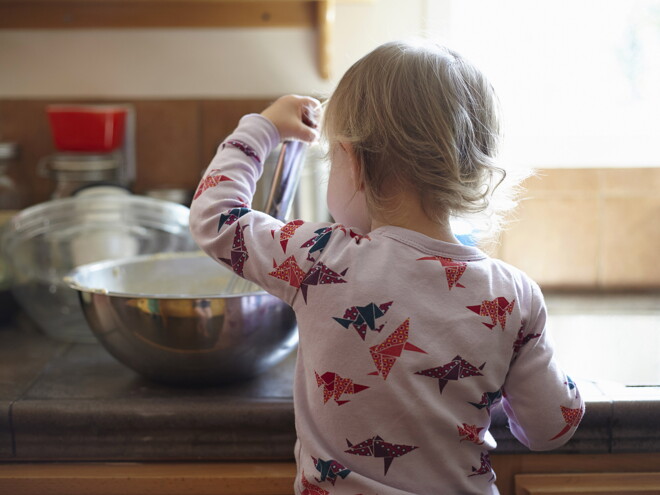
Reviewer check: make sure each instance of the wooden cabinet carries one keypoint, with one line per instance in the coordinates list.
(530, 474)
(199, 478)
(588, 483)
(568, 474)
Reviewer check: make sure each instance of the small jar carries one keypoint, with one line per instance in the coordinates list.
(174, 194)
(10, 196)
(75, 171)
(11, 200)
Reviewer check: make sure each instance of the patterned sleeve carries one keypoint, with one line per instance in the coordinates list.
(542, 403)
(256, 246)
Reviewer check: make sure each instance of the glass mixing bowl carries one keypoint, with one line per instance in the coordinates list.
(46, 241)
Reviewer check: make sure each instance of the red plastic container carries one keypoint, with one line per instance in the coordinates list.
(89, 128)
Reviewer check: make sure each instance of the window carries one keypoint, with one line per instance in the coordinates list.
(579, 80)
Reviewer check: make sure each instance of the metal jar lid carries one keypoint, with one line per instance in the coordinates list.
(8, 151)
(78, 162)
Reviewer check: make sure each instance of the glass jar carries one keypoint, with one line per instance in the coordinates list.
(10, 201)
(75, 171)
(10, 195)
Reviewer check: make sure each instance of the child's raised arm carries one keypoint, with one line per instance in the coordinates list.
(254, 245)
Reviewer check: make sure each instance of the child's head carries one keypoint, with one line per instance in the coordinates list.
(418, 117)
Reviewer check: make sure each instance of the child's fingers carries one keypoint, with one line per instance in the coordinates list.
(311, 117)
(311, 111)
(309, 121)
(295, 117)
(304, 118)
(308, 134)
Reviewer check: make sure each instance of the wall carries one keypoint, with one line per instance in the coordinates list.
(188, 86)
(176, 139)
(195, 63)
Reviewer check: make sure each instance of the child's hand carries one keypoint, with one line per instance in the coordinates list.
(296, 117)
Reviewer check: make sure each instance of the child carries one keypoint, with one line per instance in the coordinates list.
(408, 339)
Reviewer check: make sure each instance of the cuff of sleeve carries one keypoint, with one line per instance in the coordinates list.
(262, 128)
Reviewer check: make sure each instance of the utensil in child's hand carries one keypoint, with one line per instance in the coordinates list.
(282, 190)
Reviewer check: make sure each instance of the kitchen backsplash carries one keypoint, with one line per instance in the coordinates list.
(175, 139)
(574, 228)
(588, 229)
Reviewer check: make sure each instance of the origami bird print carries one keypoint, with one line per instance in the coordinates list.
(239, 253)
(318, 242)
(386, 353)
(497, 309)
(339, 226)
(571, 385)
(320, 274)
(485, 467)
(286, 232)
(488, 400)
(453, 269)
(470, 433)
(377, 447)
(232, 216)
(454, 370)
(289, 271)
(358, 237)
(244, 147)
(569, 381)
(330, 470)
(210, 181)
(334, 386)
(364, 317)
(572, 418)
(521, 340)
(311, 488)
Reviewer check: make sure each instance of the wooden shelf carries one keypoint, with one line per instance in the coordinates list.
(113, 14)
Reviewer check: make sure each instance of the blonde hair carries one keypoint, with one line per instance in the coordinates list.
(419, 116)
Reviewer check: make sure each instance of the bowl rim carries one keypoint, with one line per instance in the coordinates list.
(34, 220)
(71, 278)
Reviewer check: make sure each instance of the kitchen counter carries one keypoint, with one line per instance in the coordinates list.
(62, 401)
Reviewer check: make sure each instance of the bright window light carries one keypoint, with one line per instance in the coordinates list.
(579, 80)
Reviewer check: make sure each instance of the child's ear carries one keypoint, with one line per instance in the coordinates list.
(356, 166)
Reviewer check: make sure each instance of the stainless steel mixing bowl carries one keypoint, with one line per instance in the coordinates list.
(183, 318)
(45, 242)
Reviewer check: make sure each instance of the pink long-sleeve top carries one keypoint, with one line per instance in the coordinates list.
(406, 342)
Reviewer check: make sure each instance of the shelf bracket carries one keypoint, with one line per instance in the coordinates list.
(325, 19)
